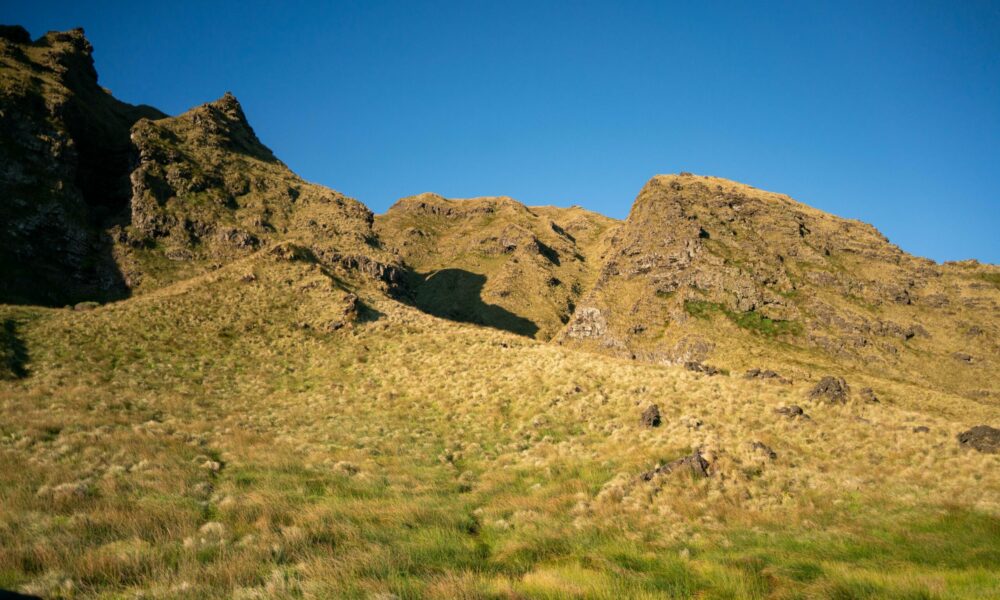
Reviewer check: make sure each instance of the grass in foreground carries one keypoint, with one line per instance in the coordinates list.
(212, 440)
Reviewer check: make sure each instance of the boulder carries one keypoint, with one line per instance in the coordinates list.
(982, 438)
(699, 367)
(651, 416)
(831, 389)
(694, 463)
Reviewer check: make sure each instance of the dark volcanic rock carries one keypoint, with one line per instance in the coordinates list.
(651, 416)
(982, 438)
(831, 389)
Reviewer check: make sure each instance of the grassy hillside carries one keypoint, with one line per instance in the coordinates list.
(274, 429)
(495, 261)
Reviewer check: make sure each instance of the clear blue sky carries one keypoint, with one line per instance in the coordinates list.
(885, 112)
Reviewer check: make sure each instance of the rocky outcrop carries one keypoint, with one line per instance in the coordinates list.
(831, 389)
(982, 438)
(64, 164)
(710, 259)
(651, 416)
(205, 189)
(694, 464)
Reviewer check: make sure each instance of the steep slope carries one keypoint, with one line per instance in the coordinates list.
(495, 261)
(205, 190)
(233, 435)
(64, 161)
(101, 199)
(709, 269)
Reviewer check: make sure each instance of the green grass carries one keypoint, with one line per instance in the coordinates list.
(750, 320)
(993, 278)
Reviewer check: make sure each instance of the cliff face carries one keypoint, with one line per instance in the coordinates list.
(708, 269)
(64, 164)
(101, 199)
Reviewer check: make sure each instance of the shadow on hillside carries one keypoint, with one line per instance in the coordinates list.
(9, 595)
(48, 273)
(456, 294)
(13, 352)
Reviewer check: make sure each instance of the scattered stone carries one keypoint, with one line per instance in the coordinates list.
(765, 374)
(694, 463)
(963, 357)
(921, 429)
(83, 306)
(868, 396)
(651, 416)
(699, 367)
(982, 438)
(831, 389)
(349, 314)
(791, 412)
(758, 446)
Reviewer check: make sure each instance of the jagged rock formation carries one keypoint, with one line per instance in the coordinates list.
(205, 190)
(64, 161)
(705, 267)
(495, 261)
(101, 199)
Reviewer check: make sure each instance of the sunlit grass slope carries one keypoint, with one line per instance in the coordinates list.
(258, 433)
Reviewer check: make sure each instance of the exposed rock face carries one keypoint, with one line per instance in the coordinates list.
(64, 162)
(703, 258)
(496, 262)
(982, 438)
(205, 189)
(100, 199)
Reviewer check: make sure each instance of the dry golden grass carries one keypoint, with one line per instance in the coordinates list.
(212, 439)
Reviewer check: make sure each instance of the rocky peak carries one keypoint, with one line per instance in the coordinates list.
(223, 123)
(15, 34)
